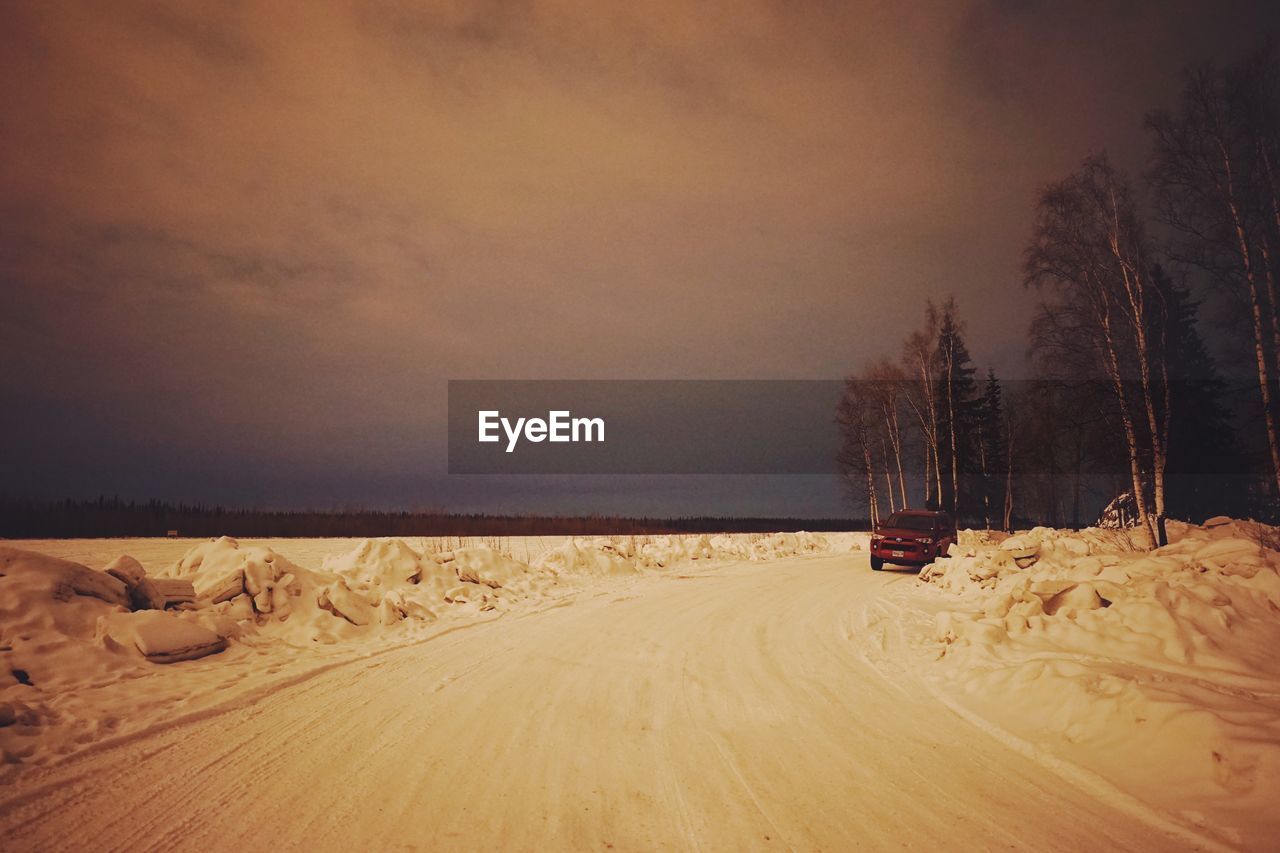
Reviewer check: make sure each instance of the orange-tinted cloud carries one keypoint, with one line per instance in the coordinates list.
(271, 231)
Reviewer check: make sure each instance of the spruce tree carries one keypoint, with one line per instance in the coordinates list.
(993, 447)
(1203, 452)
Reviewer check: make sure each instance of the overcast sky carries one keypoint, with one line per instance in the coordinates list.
(246, 244)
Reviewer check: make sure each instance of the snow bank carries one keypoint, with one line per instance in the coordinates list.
(384, 562)
(380, 585)
(65, 626)
(660, 552)
(49, 615)
(598, 556)
(73, 638)
(1156, 669)
(778, 545)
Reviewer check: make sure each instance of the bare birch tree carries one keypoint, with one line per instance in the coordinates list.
(856, 418)
(1089, 246)
(1212, 161)
(919, 364)
(889, 383)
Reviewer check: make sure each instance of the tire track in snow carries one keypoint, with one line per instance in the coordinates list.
(1071, 773)
(702, 715)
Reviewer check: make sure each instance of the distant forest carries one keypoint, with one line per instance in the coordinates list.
(113, 517)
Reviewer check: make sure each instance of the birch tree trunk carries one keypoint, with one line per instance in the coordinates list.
(1251, 280)
(888, 475)
(872, 509)
(1130, 433)
(1137, 313)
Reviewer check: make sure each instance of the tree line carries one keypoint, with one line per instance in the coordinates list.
(112, 517)
(1124, 400)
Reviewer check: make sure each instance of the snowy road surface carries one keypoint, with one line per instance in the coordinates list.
(727, 708)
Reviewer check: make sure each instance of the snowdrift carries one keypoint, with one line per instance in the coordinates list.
(70, 634)
(65, 627)
(1157, 670)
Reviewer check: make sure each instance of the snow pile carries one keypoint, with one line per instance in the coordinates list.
(1141, 666)
(143, 592)
(666, 551)
(252, 594)
(49, 615)
(385, 563)
(68, 631)
(660, 552)
(60, 621)
(490, 579)
(255, 595)
(623, 555)
(161, 637)
(74, 639)
(258, 595)
(390, 576)
(381, 584)
(221, 571)
(64, 625)
(981, 537)
(778, 545)
(599, 556)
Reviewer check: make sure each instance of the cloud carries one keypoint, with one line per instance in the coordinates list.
(281, 220)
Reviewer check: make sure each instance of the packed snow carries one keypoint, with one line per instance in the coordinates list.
(1155, 670)
(1146, 681)
(74, 640)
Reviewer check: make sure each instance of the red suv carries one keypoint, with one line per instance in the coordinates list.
(912, 537)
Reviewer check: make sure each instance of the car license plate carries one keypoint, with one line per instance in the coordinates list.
(898, 553)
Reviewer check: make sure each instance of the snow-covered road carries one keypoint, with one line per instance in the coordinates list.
(735, 707)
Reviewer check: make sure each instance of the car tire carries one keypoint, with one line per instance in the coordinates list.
(877, 563)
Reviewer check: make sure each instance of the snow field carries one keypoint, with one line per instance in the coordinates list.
(1153, 673)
